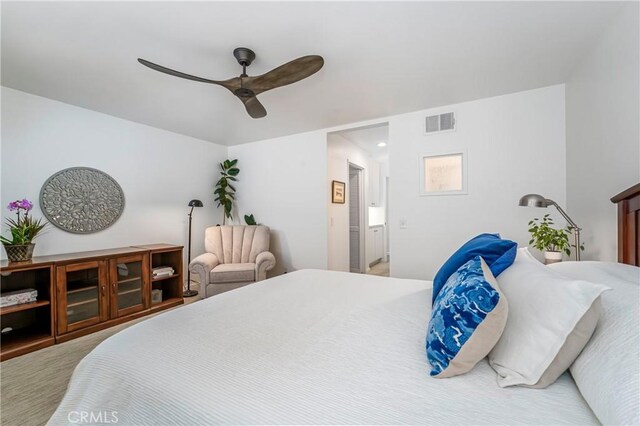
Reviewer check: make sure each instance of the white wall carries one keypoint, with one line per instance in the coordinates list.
(340, 151)
(159, 171)
(603, 132)
(283, 182)
(515, 145)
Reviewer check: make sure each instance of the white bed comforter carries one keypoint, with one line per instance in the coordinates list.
(306, 347)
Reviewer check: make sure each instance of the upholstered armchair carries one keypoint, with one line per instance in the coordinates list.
(236, 256)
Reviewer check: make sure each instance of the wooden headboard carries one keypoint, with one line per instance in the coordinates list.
(628, 202)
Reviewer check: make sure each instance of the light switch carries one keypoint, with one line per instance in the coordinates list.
(403, 223)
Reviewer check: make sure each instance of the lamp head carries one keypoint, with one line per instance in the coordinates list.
(195, 203)
(533, 200)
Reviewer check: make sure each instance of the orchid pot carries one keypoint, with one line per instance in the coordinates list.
(19, 252)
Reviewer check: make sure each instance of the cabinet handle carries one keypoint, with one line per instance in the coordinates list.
(113, 286)
(103, 289)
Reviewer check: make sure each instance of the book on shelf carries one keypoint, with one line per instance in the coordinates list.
(162, 271)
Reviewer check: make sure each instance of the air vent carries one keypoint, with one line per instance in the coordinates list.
(441, 123)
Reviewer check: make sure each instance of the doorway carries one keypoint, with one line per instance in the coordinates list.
(356, 219)
(356, 224)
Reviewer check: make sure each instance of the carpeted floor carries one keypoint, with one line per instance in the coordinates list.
(33, 385)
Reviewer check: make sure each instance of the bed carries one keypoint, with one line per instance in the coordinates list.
(323, 347)
(310, 347)
(628, 202)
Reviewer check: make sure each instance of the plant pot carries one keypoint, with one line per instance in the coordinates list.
(552, 257)
(19, 252)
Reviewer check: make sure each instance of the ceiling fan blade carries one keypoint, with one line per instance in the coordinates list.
(230, 84)
(253, 106)
(288, 73)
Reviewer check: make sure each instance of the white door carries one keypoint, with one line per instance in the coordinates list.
(374, 183)
(378, 243)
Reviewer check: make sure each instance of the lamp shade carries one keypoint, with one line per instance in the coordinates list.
(195, 203)
(533, 200)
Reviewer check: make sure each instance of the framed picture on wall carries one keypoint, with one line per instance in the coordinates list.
(337, 192)
(443, 174)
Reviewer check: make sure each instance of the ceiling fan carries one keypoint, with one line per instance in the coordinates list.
(246, 88)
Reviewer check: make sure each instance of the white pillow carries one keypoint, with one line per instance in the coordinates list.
(551, 319)
(607, 372)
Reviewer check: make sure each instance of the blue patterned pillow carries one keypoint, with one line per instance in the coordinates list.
(498, 253)
(468, 317)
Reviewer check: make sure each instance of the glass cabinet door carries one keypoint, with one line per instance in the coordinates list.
(128, 276)
(83, 292)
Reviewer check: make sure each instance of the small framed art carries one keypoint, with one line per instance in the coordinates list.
(443, 174)
(337, 192)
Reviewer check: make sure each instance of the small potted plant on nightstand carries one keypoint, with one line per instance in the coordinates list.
(552, 241)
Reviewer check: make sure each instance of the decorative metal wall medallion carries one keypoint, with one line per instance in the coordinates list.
(81, 200)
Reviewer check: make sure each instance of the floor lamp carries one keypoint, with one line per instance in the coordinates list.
(536, 200)
(189, 292)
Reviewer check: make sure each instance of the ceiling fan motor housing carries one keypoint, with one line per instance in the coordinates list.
(244, 56)
(244, 93)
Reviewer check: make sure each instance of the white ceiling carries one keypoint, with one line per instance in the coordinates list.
(381, 58)
(368, 138)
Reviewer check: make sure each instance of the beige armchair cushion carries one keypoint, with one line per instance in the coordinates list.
(233, 272)
(237, 244)
(236, 256)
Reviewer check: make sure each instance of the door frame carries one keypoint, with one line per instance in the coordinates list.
(361, 216)
(387, 245)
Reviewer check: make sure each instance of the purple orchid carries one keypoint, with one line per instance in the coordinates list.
(26, 204)
(23, 204)
(24, 228)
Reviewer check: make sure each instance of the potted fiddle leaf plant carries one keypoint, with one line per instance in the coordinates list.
(225, 192)
(24, 229)
(553, 242)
